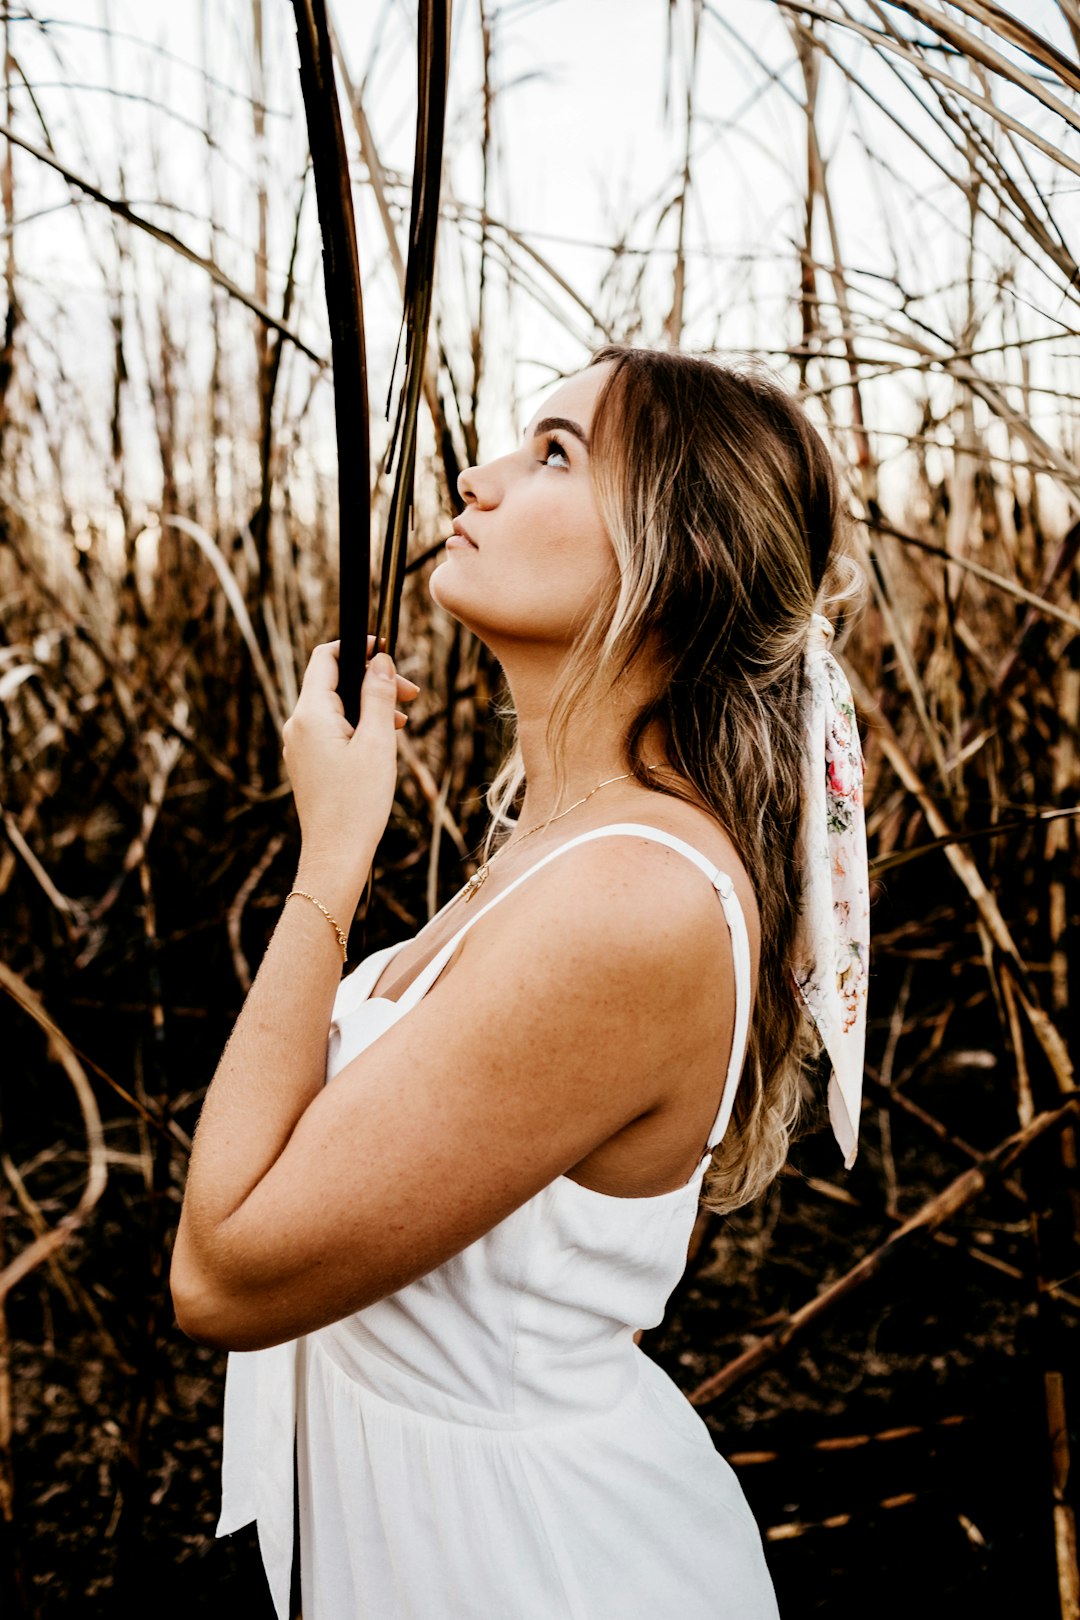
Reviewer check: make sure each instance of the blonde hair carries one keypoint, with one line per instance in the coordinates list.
(722, 505)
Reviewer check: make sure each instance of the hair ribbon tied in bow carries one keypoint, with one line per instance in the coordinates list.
(832, 937)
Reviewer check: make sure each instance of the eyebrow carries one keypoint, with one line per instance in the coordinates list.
(551, 423)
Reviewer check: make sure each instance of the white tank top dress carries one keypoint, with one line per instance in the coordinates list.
(489, 1443)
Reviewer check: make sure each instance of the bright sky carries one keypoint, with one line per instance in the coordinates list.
(589, 128)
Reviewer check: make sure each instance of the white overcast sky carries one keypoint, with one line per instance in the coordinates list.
(586, 152)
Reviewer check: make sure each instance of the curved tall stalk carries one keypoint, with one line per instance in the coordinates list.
(341, 272)
(432, 63)
(345, 308)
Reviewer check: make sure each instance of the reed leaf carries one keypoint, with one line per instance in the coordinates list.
(901, 48)
(117, 206)
(903, 857)
(974, 49)
(235, 598)
(1009, 586)
(432, 60)
(379, 179)
(1018, 33)
(341, 272)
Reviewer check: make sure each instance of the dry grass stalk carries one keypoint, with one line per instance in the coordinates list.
(163, 881)
(44, 1246)
(96, 1171)
(117, 206)
(1065, 1547)
(934, 1213)
(1046, 1032)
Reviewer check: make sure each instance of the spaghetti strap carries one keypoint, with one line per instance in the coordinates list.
(740, 944)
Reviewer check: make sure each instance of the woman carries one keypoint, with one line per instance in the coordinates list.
(436, 1265)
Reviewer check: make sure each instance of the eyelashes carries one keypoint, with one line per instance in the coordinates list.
(553, 447)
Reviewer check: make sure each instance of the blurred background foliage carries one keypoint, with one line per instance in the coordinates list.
(879, 200)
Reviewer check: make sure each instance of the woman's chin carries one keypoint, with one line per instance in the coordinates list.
(440, 587)
(461, 604)
(447, 593)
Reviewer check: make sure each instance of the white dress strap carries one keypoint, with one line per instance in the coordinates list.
(740, 944)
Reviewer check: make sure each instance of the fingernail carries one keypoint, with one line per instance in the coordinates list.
(383, 666)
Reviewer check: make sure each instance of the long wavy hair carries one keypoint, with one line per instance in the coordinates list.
(722, 504)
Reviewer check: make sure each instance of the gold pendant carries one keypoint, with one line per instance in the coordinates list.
(477, 881)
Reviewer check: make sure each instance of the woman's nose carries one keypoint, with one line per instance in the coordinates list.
(477, 487)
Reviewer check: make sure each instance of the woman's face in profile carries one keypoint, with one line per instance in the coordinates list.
(531, 556)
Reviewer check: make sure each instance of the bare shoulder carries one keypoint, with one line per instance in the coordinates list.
(702, 832)
(623, 909)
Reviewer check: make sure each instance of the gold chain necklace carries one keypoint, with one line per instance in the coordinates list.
(479, 877)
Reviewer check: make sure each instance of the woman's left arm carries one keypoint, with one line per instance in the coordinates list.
(274, 1062)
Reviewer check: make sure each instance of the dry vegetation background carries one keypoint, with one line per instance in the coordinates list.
(888, 1358)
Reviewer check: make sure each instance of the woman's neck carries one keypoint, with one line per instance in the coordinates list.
(593, 749)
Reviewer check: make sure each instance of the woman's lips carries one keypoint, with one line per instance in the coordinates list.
(459, 538)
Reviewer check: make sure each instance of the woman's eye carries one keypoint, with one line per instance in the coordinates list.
(554, 448)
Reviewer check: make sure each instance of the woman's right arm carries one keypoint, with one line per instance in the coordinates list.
(561, 1020)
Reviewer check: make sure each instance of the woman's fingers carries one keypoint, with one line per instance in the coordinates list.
(322, 671)
(321, 674)
(407, 689)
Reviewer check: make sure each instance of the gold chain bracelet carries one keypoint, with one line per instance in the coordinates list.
(342, 941)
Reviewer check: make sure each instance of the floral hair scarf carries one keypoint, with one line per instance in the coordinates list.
(832, 937)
